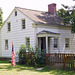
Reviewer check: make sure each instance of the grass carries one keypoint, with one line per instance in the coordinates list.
(7, 69)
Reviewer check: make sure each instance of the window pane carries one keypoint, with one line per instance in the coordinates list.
(55, 42)
(23, 24)
(67, 42)
(15, 13)
(9, 27)
(6, 44)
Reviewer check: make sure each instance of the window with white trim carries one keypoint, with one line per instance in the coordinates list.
(66, 42)
(9, 26)
(55, 42)
(23, 23)
(15, 13)
(6, 44)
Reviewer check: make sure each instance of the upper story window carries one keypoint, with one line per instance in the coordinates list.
(9, 26)
(66, 42)
(55, 42)
(6, 44)
(15, 13)
(23, 23)
(27, 41)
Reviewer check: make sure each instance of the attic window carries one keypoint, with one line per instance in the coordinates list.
(15, 13)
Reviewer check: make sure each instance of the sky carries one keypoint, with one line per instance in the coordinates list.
(41, 5)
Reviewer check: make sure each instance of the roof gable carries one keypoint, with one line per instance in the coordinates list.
(13, 11)
(40, 17)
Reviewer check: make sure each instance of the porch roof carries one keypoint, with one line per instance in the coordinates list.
(47, 32)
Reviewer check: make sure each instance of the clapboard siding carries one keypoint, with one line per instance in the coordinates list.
(17, 34)
(65, 32)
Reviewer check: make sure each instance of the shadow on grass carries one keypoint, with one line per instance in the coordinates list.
(18, 67)
(24, 67)
(6, 67)
(51, 71)
(57, 71)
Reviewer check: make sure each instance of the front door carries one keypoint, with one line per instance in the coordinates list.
(43, 43)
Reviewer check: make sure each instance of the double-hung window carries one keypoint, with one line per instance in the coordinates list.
(23, 23)
(55, 42)
(9, 26)
(6, 44)
(66, 42)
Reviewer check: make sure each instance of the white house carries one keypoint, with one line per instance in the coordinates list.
(26, 26)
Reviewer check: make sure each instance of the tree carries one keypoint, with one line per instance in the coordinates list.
(68, 15)
(1, 18)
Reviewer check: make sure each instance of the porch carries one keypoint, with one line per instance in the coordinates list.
(48, 41)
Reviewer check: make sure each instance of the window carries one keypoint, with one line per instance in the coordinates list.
(6, 44)
(27, 41)
(23, 24)
(15, 13)
(55, 42)
(9, 26)
(66, 42)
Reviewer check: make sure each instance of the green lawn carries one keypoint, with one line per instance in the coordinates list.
(6, 69)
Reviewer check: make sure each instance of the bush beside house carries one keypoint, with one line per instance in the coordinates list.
(32, 57)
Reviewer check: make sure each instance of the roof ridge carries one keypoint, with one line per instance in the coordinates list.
(29, 9)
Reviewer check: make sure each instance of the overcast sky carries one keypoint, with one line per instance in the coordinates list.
(42, 5)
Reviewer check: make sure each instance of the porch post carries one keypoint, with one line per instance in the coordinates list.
(46, 44)
(37, 40)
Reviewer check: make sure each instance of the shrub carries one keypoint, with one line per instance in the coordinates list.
(29, 48)
(39, 57)
(36, 58)
(22, 54)
(26, 57)
(43, 58)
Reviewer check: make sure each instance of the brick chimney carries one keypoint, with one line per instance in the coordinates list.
(52, 8)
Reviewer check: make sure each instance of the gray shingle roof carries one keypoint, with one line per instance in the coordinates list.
(40, 17)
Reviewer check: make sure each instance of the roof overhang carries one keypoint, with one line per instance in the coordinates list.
(45, 33)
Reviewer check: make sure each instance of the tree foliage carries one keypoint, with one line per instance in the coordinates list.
(68, 15)
(1, 18)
